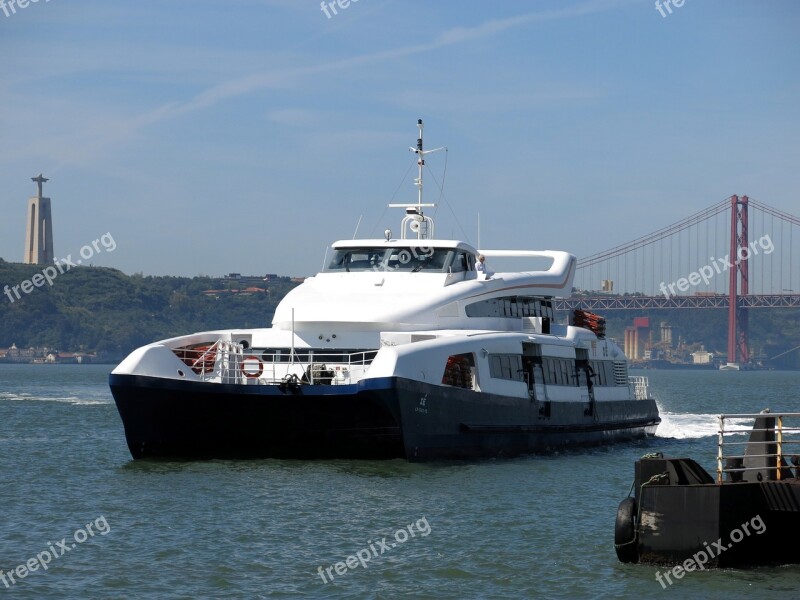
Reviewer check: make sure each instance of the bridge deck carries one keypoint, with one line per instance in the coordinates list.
(655, 302)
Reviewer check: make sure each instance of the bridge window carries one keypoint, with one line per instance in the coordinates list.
(459, 264)
(407, 259)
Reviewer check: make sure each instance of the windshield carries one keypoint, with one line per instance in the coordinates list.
(411, 259)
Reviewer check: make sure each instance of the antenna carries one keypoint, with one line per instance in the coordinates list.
(417, 222)
(325, 258)
(420, 162)
(357, 226)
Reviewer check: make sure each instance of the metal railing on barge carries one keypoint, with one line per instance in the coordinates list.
(783, 437)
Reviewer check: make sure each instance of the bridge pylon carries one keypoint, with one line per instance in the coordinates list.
(738, 282)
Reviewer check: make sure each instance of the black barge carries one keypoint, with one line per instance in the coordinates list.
(748, 515)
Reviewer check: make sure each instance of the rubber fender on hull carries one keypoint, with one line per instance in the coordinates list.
(625, 532)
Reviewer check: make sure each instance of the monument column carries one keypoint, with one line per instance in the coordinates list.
(39, 236)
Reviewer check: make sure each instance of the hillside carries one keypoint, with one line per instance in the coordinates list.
(104, 310)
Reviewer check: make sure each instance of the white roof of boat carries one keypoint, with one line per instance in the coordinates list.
(393, 243)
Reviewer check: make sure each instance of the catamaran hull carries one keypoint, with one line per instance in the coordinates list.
(380, 418)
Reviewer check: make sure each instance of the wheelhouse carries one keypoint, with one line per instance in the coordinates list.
(402, 258)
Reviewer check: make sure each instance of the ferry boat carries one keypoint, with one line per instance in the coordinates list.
(402, 347)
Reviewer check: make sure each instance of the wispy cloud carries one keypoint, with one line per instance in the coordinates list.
(79, 132)
(288, 77)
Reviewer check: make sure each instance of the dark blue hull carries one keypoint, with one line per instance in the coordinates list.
(374, 419)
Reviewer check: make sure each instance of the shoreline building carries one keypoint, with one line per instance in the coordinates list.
(637, 338)
(39, 234)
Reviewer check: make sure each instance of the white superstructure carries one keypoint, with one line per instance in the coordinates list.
(419, 301)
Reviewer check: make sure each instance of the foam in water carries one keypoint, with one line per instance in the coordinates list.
(689, 425)
(74, 400)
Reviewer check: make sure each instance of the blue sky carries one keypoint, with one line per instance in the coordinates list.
(246, 135)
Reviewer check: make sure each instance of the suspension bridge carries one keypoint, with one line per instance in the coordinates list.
(738, 254)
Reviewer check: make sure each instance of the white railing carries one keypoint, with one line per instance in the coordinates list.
(639, 386)
(786, 442)
(229, 362)
(210, 361)
(326, 368)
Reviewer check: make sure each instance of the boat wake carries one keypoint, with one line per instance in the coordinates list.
(74, 400)
(689, 425)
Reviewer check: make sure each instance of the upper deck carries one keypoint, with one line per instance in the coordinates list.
(415, 281)
(397, 285)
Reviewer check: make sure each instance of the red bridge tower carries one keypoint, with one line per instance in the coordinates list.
(737, 315)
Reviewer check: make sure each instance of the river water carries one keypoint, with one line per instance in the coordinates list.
(532, 527)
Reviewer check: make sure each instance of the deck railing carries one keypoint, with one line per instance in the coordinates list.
(229, 362)
(327, 368)
(734, 437)
(207, 360)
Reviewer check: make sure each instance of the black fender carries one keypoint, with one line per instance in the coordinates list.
(625, 531)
